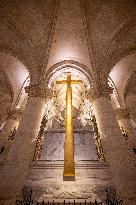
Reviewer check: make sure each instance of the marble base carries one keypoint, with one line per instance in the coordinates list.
(91, 180)
(84, 146)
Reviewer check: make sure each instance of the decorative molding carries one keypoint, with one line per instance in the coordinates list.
(98, 142)
(61, 194)
(115, 90)
(99, 147)
(49, 93)
(69, 63)
(25, 83)
(38, 148)
(40, 140)
(14, 114)
(68, 192)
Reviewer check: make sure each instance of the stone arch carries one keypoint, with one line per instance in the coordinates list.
(58, 66)
(15, 70)
(121, 74)
(22, 93)
(11, 52)
(127, 52)
(119, 52)
(115, 91)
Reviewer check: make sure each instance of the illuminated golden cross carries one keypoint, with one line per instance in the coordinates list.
(69, 165)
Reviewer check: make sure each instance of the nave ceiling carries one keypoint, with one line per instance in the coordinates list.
(36, 35)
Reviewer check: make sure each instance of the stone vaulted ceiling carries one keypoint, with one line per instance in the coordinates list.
(69, 40)
(39, 34)
(26, 28)
(111, 30)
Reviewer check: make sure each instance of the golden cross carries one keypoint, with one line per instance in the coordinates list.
(68, 81)
(69, 165)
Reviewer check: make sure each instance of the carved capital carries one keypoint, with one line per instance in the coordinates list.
(101, 91)
(121, 113)
(36, 90)
(49, 93)
(14, 114)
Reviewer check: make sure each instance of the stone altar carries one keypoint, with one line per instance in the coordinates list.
(92, 177)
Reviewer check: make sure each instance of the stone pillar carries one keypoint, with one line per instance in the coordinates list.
(14, 172)
(116, 153)
(8, 131)
(13, 117)
(125, 124)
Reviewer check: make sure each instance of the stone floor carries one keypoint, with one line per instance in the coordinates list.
(91, 181)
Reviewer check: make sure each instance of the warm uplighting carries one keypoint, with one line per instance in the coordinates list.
(86, 112)
(58, 86)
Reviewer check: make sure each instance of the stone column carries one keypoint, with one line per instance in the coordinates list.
(14, 172)
(13, 117)
(125, 123)
(8, 131)
(116, 153)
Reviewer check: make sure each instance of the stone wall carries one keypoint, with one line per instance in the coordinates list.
(53, 146)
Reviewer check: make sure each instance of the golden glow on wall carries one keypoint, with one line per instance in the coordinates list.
(60, 89)
(55, 106)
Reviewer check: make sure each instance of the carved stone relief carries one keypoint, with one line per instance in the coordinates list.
(62, 191)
